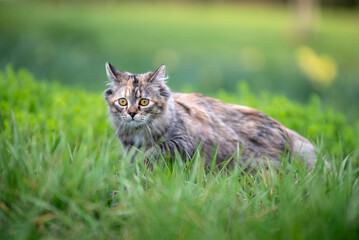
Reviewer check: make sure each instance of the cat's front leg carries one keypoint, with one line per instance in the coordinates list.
(154, 153)
(163, 151)
(169, 150)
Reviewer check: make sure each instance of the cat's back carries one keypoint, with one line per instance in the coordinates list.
(232, 122)
(197, 104)
(228, 124)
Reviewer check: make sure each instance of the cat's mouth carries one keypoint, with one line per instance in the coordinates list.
(134, 123)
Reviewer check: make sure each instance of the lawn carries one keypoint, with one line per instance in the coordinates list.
(63, 175)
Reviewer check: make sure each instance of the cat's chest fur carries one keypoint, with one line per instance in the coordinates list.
(134, 138)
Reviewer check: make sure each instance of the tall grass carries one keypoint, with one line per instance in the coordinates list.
(70, 180)
(52, 191)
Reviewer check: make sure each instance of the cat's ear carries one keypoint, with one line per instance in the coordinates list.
(159, 76)
(112, 72)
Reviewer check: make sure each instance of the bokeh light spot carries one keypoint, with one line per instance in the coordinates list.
(320, 69)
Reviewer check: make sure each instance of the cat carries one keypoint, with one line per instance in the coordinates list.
(147, 115)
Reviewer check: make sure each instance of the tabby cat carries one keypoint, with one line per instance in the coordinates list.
(148, 116)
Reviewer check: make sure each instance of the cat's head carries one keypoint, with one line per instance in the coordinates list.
(136, 99)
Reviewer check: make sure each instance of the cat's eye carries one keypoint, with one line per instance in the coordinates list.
(144, 102)
(122, 101)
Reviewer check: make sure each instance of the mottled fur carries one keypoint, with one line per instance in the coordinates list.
(180, 122)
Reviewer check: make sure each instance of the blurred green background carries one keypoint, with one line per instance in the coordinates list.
(295, 48)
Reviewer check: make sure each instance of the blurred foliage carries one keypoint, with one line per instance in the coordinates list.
(43, 110)
(343, 3)
(205, 46)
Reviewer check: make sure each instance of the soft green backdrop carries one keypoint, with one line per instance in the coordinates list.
(206, 47)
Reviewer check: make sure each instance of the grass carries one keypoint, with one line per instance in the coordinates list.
(206, 47)
(62, 175)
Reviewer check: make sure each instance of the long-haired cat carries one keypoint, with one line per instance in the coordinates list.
(147, 115)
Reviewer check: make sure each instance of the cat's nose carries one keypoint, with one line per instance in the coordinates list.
(132, 114)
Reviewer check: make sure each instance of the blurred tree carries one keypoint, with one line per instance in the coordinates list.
(344, 3)
(305, 14)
